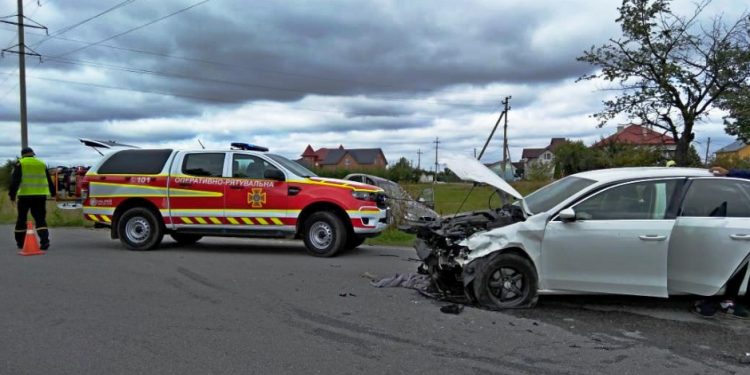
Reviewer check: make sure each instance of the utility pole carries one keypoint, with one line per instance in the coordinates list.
(506, 152)
(504, 114)
(708, 147)
(419, 158)
(475, 152)
(437, 143)
(21, 52)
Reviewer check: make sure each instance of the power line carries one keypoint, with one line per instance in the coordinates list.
(233, 83)
(134, 29)
(264, 70)
(79, 23)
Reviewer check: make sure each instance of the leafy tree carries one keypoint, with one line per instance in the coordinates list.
(731, 161)
(5, 171)
(737, 103)
(669, 70)
(573, 157)
(540, 171)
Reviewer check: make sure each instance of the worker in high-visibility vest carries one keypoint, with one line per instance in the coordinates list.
(30, 185)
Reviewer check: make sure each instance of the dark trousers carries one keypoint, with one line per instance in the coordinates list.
(733, 287)
(38, 207)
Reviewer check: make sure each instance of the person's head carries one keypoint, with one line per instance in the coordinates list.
(26, 152)
(671, 163)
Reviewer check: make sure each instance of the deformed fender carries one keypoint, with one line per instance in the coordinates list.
(526, 236)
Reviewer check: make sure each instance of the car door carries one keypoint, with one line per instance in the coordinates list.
(617, 244)
(254, 202)
(711, 238)
(196, 190)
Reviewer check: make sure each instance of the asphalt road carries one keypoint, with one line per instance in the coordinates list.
(228, 306)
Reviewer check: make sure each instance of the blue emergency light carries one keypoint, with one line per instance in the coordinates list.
(247, 147)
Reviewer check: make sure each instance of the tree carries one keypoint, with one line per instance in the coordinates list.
(669, 70)
(737, 103)
(573, 157)
(5, 172)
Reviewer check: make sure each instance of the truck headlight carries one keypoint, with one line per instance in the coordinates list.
(364, 196)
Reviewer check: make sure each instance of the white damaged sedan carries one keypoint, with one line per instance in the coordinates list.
(632, 231)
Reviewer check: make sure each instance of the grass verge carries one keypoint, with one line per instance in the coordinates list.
(55, 216)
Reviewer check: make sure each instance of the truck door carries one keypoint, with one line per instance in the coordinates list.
(197, 189)
(253, 202)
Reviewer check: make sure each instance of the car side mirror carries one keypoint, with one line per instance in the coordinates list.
(567, 215)
(274, 174)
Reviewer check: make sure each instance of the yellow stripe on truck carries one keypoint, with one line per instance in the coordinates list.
(276, 221)
(93, 217)
(261, 220)
(247, 221)
(233, 220)
(186, 220)
(106, 219)
(215, 220)
(200, 220)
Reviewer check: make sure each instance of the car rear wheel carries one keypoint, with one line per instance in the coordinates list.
(325, 234)
(354, 242)
(186, 238)
(506, 281)
(139, 229)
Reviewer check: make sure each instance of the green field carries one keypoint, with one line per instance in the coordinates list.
(448, 199)
(55, 216)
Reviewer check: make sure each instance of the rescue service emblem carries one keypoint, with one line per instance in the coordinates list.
(256, 198)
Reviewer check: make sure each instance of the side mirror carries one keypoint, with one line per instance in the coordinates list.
(567, 215)
(274, 174)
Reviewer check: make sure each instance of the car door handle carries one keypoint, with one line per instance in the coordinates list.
(185, 184)
(740, 237)
(652, 237)
(237, 187)
(293, 190)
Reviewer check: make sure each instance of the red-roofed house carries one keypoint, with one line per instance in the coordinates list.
(340, 157)
(641, 136)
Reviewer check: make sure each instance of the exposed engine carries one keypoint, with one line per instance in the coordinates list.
(437, 242)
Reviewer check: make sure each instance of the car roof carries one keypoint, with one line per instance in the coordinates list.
(616, 174)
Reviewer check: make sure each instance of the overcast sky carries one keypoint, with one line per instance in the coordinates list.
(285, 74)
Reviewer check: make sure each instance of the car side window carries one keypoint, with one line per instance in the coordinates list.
(369, 181)
(648, 200)
(717, 198)
(355, 178)
(249, 166)
(203, 165)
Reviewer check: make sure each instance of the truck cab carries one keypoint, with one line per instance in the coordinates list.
(242, 192)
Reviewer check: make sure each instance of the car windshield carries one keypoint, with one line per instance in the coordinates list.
(551, 195)
(292, 166)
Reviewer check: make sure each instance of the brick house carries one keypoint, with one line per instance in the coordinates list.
(343, 158)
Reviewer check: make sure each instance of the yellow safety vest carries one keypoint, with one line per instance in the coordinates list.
(34, 178)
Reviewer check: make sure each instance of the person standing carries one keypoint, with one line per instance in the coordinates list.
(732, 304)
(30, 185)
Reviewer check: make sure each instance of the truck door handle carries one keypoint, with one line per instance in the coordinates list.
(740, 237)
(652, 237)
(185, 184)
(293, 190)
(237, 187)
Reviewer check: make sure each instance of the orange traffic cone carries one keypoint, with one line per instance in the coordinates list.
(30, 245)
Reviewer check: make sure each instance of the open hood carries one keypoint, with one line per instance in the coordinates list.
(470, 169)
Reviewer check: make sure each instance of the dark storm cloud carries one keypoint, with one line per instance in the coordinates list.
(383, 49)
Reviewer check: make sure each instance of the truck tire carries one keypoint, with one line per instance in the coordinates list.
(353, 242)
(324, 235)
(506, 281)
(139, 229)
(186, 238)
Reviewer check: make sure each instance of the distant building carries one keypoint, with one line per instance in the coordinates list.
(531, 156)
(343, 158)
(641, 136)
(736, 149)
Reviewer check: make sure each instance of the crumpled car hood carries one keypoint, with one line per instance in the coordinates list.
(526, 235)
(470, 169)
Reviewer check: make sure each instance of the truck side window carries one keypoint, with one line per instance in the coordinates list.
(203, 165)
(248, 166)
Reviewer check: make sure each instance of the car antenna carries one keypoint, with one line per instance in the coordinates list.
(201, 143)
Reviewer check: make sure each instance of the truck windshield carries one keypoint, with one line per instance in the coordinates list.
(292, 166)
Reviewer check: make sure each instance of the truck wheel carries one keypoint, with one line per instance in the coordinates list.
(186, 238)
(325, 234)
(139, 229)
(353, 242)
(506, 281)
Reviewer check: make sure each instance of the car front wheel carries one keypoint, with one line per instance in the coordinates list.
(139, 229)
(506, 281)
(325, 234)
